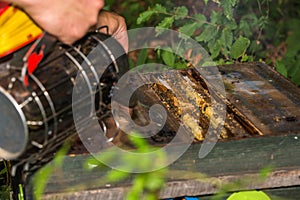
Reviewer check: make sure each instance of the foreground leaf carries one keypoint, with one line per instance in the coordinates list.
(239, 47)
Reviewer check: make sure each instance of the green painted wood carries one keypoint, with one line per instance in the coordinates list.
(247, 155)
(228, 161)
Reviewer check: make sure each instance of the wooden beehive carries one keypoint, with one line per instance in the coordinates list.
(262, 128)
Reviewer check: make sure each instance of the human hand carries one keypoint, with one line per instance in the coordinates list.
(116, 27)
(68, 20)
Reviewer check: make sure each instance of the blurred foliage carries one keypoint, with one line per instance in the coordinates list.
(129, 9)
(4, 180)
(4, 192)
(230, 30)
(145, 185)
(42, 176)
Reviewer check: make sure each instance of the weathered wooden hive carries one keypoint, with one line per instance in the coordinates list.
(262, 128)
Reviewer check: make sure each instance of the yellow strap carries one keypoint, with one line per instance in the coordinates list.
(16, 29)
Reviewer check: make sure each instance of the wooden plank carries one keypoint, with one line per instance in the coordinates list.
(228, 161)
(208, 186)
(284, 193)
(264, 97)
(242, 156)
(187, 188)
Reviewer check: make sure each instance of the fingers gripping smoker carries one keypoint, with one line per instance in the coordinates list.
(36, 119)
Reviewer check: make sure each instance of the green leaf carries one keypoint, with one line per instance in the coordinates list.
(245, 28)
(168, 58)
(205, 1)
(208, 64)
(159, 8)
(167, 22)
(200, 18)
(216, 17)
(60, 155)
(221, 61)
(142, 57)
(233, 2)
(239, 47)
(154, 183)
(3, 171)
(209, 33)
(215, 49)
(131, 63)
(231, 25)
(226, 38)
(144, 16)
(180, 65)
(293, 44)
(266, 171)
(105, 156)
(251, 19)
(245, 58)
(294, 71)
(138, 141)
(40, 180)
(138, 183)
(116, 175)
(229, 62)
(247, 24)
(43, 175)
(296, 79)
(254, 47)
(181, 12)
(293, 24)
(227, 7)
(150, 196)
(189, 29)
